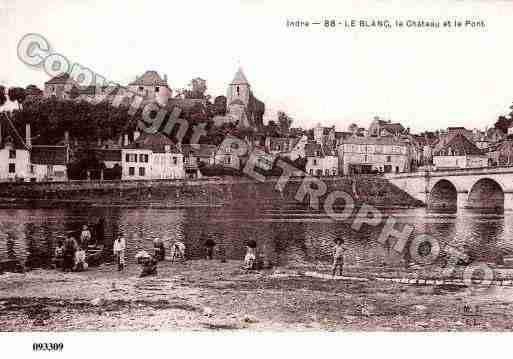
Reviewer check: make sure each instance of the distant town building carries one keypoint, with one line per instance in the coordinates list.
(60, 86)
(242, 105)
(150, 86)
(459, 152)
(379, 127)
(320, 160)
(49, 163)
(324, 135)
(374, 154)
(197, 155)
(14, 152)
(152, 156)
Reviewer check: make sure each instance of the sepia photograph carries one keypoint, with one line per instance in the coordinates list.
(255, 166)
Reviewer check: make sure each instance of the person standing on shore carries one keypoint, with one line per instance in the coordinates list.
(159, 249)
(209, 245)
(250, 258)
(119, 252)
(338, 256)
(99, 232)
(80, 260)
(85, 237)
(70, 247)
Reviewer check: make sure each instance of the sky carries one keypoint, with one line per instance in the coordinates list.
(423, 78)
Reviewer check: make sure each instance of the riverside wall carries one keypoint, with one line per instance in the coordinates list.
(214, 191)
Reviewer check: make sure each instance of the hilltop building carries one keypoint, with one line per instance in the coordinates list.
(242, 105)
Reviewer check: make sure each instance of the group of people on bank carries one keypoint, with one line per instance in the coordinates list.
(71, 254)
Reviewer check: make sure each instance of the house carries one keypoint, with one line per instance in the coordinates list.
(59, 86)
(379, 127)
(197, 155)
(14, 151)
(150, 86)
(227, 155)
(324, 135)
(152, 156)
(501, 154)
(49, 163)
(374, 154)
(277, 145)
(297, 148)
(320, 160)
(459, 152)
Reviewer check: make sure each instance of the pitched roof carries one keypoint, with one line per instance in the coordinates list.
(458, 145)
(63, 78)
(384, 140)
(108, 154)
(314, 149)
(239, 78)
(394, 128)
(9, 133)
(149, 78)
(154, 142)
(201, 150)
(48, 155)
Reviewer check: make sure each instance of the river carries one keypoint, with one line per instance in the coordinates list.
(291, 235)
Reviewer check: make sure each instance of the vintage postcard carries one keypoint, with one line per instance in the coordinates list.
(253, 165)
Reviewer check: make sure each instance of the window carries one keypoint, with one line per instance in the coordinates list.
(315, 162)
(157, 89)
(127, 158)
(311, 172)
(238, 91)
(141, 88)
(175, 160)
(142, 171)
(327, 172)
(389, 158)
(131, 171)
(31, 168)
(12, 153)
(12, 168)
(143, 157)
(334, 172)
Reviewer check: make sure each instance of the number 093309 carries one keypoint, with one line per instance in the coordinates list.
(47, 347)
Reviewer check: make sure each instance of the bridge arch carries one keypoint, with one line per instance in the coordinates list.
(443, 196)
(486, 193)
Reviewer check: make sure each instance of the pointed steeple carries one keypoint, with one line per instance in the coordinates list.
(240, 78)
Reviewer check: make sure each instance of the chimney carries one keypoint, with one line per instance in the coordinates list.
(66, 137)
(136, 135)
(28, 139)
(125, 141)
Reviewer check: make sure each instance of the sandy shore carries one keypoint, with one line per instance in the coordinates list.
(209, 295)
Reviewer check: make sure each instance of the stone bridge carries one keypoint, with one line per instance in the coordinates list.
(484, 188)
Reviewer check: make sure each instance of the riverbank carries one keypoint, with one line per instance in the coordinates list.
(209, 295)
(374, 190)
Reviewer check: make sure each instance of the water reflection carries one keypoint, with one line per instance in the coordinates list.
(286, 236)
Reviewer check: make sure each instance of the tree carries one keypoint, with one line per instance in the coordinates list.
(3, 99)
(33, 91)
(199, 87)
(220, 105)
(503, 123)
(353, 128)
(285, 121)
(17, 94)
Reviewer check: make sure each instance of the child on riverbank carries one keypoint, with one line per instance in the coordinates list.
(119, 252)
(338, 256)
(80, 260)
